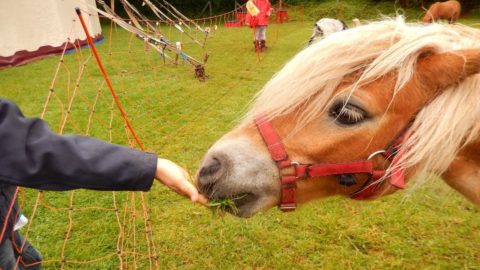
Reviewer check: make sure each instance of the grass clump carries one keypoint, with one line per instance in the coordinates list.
(222, 205)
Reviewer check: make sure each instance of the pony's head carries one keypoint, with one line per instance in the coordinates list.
(430, 13)
(346, 97)
(428, 17)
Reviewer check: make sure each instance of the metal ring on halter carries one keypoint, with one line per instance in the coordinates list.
(295, 163)
(379, 152)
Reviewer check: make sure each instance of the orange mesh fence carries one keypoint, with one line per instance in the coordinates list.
(78, 101)
(110, 230)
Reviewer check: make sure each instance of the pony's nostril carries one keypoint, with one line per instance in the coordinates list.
(210, 168)
(213, 170)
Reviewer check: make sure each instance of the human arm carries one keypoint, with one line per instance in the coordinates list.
(33, 156)
(268, 9)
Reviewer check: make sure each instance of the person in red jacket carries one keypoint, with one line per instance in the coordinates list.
(257, 18)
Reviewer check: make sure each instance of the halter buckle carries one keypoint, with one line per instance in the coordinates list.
(376, 153)
(287, 207)
(301, 171)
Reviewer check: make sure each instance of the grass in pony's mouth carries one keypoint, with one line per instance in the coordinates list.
(221, 205)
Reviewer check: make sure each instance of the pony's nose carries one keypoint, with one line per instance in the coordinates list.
(212, 171)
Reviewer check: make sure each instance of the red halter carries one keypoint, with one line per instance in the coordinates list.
(290, 170)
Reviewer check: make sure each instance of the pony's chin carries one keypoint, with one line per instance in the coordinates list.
(252, 205)
(246, 211)
(249, 204)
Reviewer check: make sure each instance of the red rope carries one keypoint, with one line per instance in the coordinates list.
(10, 208)
(107, 80)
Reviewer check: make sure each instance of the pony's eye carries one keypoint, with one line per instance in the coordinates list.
(347, 114)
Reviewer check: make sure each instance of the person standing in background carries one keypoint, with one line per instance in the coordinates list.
(257, 18)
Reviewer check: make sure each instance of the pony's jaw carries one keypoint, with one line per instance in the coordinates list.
(246, 174)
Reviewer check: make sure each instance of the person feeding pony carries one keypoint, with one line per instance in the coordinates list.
(258, 14)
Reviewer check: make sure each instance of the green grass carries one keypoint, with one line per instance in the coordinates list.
(223, 205)
(362, 9)
(178, 117)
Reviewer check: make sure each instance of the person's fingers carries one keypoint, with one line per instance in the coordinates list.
(188, 189)
(176, 178)
(194, 197)
(191, 191)
(202, 199)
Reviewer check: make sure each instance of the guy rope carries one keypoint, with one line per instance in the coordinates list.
(160, 43)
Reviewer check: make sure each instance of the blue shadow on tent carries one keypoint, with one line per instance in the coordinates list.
(97, 42)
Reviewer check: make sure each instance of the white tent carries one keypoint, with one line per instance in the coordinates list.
(33, 29)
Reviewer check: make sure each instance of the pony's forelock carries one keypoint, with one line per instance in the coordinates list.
(311, 78)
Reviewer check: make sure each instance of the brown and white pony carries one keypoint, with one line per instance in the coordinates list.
(345, 98)
(449, 10)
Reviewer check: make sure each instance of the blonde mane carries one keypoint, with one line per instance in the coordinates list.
(310, 79)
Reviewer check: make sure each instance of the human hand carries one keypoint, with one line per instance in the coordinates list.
(176, 178)
(269, 12)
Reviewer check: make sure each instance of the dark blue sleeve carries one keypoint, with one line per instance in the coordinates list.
(31, 155)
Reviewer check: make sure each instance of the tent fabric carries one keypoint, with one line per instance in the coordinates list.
(33, 29)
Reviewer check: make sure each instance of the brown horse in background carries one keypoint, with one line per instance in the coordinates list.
(330, 121)
(449, 10)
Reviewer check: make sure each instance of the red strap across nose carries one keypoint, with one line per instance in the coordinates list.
(318, 170)
(288, 180)
(271, 138)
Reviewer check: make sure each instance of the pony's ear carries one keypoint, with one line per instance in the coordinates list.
(436, 72)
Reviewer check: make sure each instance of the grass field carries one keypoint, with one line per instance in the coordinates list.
(179, 117)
